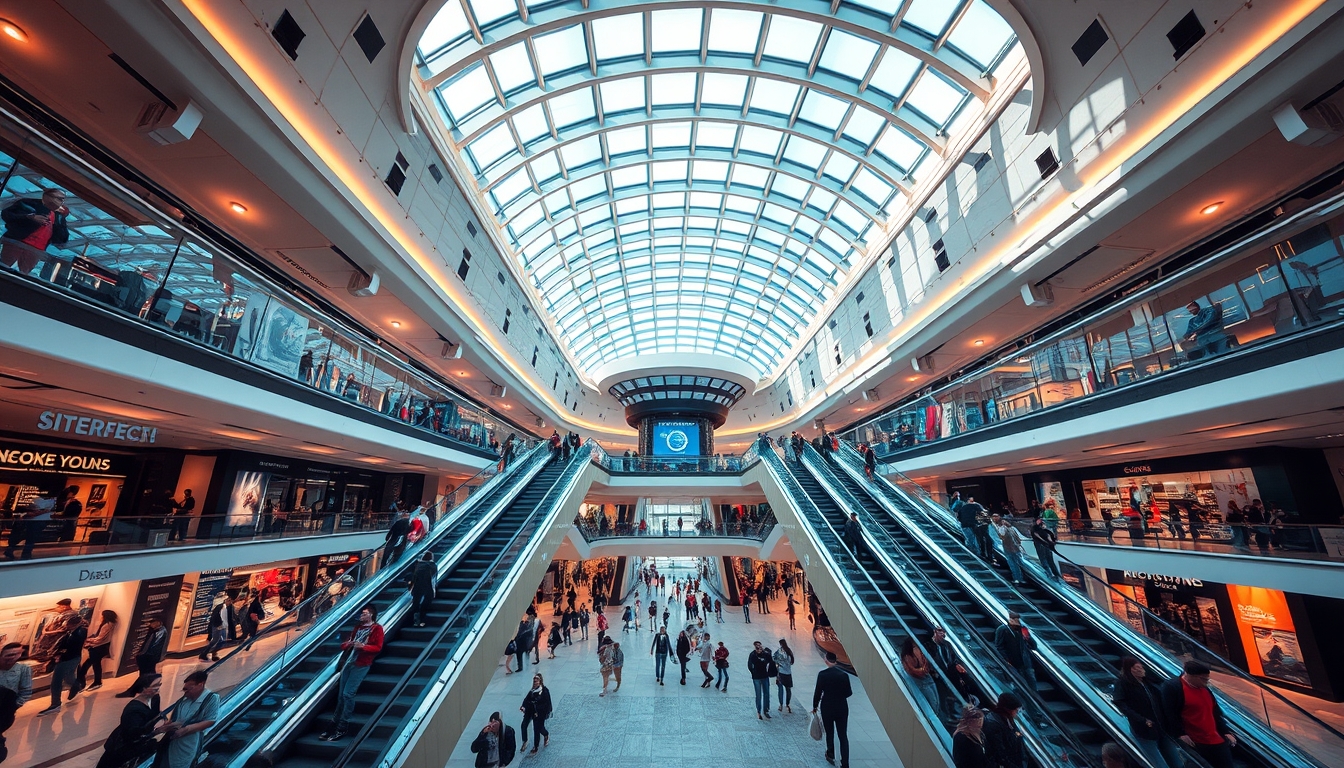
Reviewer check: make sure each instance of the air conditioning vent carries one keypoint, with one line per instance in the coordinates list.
(288, 34)
(1185, 34)
(1090, 42)
(369, 38)
(1047, 163)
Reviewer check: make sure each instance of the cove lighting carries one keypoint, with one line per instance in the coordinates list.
(13, 31)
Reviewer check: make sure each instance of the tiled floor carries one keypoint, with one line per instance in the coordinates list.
(672, 726)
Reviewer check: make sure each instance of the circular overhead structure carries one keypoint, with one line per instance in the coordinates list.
(680, 177)
(677, 395)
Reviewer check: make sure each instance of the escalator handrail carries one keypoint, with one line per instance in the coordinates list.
(825, 476)
(311, 693)
(1250, 728)
(549, 506)
(793, 490)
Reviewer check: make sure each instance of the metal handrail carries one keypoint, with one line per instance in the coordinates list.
(1162, 659)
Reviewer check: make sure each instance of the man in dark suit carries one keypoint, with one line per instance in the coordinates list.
(396, 537)
(831, 696)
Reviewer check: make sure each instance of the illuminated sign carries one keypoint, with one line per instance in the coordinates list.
(52, 460)
(1162, 580)
(1139, 469)
(69, 423)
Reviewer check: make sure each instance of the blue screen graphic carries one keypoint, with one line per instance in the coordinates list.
(676, 438)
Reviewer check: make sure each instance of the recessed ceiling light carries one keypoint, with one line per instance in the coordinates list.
(912, 378)
(396, 323)
(238, 207)
(508, 407)
(463, 373)
(1211, 207)
(13, 31)
(979, 342)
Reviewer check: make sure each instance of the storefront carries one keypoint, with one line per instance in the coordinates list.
(1190, 496)
(281, 586)
(36, 476)
(1268, 633)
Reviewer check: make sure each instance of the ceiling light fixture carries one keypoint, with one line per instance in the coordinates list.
(462, 373)
(13, 31)
(1211, 208)
(396, 323)
(238, 207)
(979, 342)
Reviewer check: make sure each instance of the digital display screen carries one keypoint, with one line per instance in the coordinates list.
(676, 438)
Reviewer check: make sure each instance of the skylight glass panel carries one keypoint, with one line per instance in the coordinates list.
(804, 152)
(491, 146)
(705, 223)
(624, 141)
(899, 148)
(716, 135)
(557, 202)
(761, 141)
(676, 30)
(930, 16)
(773, 96)
(622, 95)
(513, 67)
(666, 135)
(632, 205)
(709, 170)
(823, 110)
(623, 178)
(733, 31)
(864, 125)
(564, 229)
(778, 214)
(467, 93)
(872, 187)
(706, 200)
(892, 77)
(791, 39)
(847, 55)
(736, 227)
(887, 7)
(587, 189)
(487, 11)
(619, 37)
(545, 167)
(676, 89)
(741, 204)
(935, 98)
(449, 24)
(670, 170)
(580, 153)
(531, 124)
(821, 199)
(525, 220)
(727, 90)
(512, 186)
(669, 200)
(849, 216)
(594, 216)
(981, 34)
(790, 187)
(572, 108)
(840, 167)
(750, 176)
(561, 51)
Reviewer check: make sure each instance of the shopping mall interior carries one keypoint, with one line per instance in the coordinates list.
(377, 380)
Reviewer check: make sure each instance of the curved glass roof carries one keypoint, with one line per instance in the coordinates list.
(699, 178)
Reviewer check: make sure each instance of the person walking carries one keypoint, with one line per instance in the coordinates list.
(831, 697)
(869, 462)
(422, 580)
(706, 651)
(617, 663)
(945, 657)
(584, 617)
(919, 671)
(604, 659)
(148, 656)
(683, 653)
(197, 710)
(252, 614)
(853, 533)
(553, 640)
(761, 606)
(1015, 644)
(395, 543)
(784, 675)
(1191, 715)
(16, 687)
(602, 627)
(761, 666)
(569, 621)
(718, 610)
(67, 651)
(495, 745)
(792, 607)
(99, 646)
(967, 513)
(1141, 704)
(721, 664)
(359, 650)
(653, 616)
(527, 633)
(666, 615)
(1012, 546)
(1043, 538)
(223, 627)
(132, 741)
(968, 740)
(662, 646)
(628, 617)
(1002, 737)
(746, 605)
(536, 708)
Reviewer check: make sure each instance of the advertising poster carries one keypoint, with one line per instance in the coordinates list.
(676, 438)
(246, 499)
(280, 344)
(1127, 610)
(1268, 634)
(157, 600)
(1279, 655)
(209, 586)
(1053, 490)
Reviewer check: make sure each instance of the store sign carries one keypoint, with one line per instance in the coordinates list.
(86, 574)
(23, 458)
(1139, 469)
(70, 423)
(1160, 580)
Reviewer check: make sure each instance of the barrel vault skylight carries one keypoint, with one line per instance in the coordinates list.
(699, 177)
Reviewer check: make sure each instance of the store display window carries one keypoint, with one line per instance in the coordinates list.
(272, 495)
(1268, 634)
(36, 478)
(1175, 506)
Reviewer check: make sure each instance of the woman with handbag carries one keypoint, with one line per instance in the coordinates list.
(536, 708)
(132, 741)
(99, 646)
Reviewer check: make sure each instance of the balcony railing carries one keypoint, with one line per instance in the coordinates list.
(1279, 540)
(112, 249)
(1282, 281)
(758, 530)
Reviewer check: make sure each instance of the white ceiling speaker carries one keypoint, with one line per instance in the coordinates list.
(363, 284)
(498, 390)
(870, 395)
(164, 126)
(1314, 126)
(922, 364)
(1038, 295)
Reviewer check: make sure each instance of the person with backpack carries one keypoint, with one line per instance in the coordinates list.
(628, 617)
(496, 745)
(360, 648)
(553, 640)
(536, 708)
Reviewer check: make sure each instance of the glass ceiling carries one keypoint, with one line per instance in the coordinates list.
(700, 179)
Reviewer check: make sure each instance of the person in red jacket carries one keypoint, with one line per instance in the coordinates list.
(363, 645)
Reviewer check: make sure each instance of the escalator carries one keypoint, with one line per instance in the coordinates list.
(1070, 637)
(256, 708)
